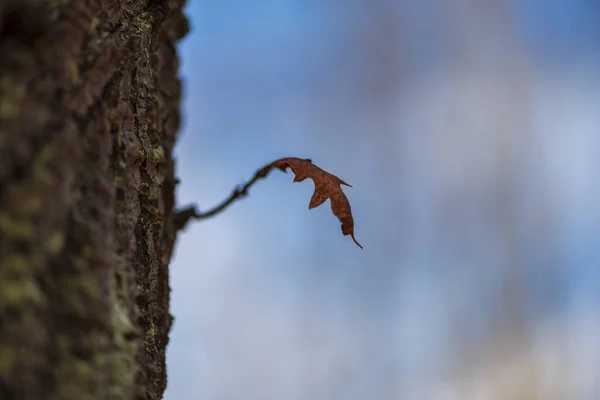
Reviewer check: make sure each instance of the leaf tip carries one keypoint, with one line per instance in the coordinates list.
(355, 241)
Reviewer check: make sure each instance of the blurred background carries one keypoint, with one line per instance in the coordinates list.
(470, 131)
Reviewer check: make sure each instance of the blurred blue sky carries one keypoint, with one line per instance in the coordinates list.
(470, 133)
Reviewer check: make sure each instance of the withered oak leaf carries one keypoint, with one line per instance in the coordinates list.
(327, 186)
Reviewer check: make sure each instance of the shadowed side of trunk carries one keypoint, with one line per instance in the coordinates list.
(89, 110)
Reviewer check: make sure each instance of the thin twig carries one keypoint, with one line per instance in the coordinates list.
(181, 218)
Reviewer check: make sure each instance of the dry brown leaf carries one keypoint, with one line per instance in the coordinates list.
(327, 186)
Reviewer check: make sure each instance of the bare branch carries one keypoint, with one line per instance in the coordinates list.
(182, 217)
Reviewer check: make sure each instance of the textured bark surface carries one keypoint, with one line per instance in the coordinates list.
(89, 110)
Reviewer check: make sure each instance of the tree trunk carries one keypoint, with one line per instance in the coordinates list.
(89, 110)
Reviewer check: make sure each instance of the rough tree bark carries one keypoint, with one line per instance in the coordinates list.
(89, 110)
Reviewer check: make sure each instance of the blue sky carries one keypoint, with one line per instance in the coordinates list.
(469, 133)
